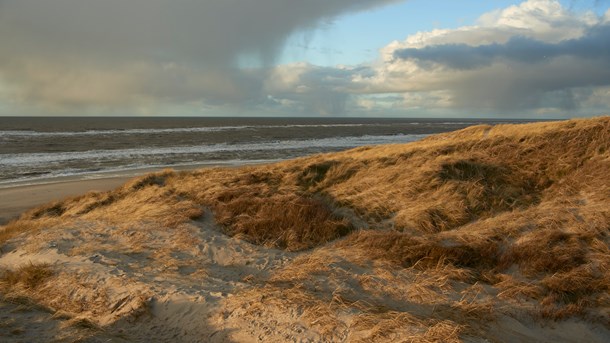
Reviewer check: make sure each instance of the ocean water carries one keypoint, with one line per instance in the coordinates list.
(38, 148)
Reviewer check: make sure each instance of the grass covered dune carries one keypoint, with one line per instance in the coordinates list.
(485, 234)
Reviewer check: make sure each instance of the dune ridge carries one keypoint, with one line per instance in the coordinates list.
(491, 233)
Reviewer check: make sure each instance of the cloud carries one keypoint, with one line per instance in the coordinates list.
(535, 55)
(533, 58)
(317, 90)
(593, 45)
(78, 53)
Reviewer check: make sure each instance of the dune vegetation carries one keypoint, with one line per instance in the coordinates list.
(494, 233)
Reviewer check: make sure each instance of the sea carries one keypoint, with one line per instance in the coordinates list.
(41, 149)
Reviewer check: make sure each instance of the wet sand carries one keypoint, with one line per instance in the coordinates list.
(17, 199)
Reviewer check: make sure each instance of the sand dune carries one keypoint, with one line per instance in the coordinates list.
(485, 234)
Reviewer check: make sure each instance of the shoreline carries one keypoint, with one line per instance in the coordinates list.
(112, 173)
(20, 196)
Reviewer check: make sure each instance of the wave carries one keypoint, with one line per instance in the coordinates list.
(34, 159)
(28, 133)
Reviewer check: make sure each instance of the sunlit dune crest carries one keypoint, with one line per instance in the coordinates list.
(491, 233)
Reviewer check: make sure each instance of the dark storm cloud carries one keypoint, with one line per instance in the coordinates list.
(113, 52)
(594, 44)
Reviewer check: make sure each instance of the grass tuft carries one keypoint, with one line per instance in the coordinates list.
(29, 276)
(287, 222)
(16, 227)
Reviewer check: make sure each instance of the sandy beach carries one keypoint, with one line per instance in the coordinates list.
(17, 199)
(432, 241)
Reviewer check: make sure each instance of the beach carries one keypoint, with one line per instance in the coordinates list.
(371, 171)
(46, 160)
(454, 238)
(17, 199)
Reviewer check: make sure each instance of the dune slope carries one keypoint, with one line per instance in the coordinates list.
(485, 234)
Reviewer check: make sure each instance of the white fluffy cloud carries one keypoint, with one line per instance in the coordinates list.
(536, 57)
(531, 56)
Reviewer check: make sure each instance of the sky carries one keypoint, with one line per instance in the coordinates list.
(364, 58)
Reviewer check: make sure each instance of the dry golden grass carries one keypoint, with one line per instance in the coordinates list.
(437, 184)
(28, 276)
(403, 327)
(521, 209)
(17, 227)
(288, 222)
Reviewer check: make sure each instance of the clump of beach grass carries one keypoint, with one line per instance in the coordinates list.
(29, 276)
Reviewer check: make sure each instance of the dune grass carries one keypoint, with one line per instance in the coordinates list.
(28, 276)
(17, 227)
(521, 209)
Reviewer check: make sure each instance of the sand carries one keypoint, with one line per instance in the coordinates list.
(150, 264)
(176, 280)
(196, 284)
(17, 199)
